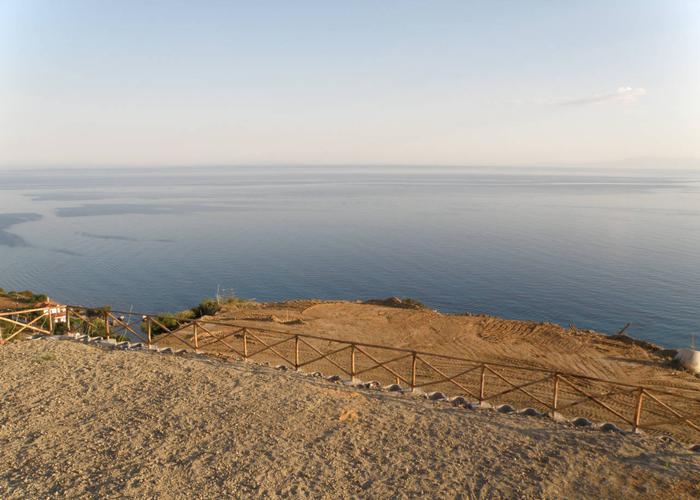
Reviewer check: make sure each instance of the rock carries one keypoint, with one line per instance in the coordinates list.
(695, 448)
(358, 384)
(459, 401)
(317, 374)
(506, 409)
(166, 350)
(436, 396)
(374, 384)
(531, 412)
(689, 359)
(393, 388)
(582, 422)
(610, 427)
(333, 378)
(281, 367)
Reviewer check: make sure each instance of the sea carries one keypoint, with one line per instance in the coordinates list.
(592, 247)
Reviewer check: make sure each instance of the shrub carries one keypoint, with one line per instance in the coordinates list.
(207, 307)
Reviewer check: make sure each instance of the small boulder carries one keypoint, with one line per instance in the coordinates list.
(689, 359)
(506, 409)
(459, 401)
(582, 422)
(610, 427)
(436, 396)
(393, 388)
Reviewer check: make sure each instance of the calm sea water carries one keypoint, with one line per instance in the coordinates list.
(595, 248)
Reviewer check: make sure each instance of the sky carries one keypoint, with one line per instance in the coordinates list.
(110, 83)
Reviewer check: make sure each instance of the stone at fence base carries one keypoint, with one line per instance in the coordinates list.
(393, 388)
(459, 401)
(281, 367)
(374, 384)
(317, 374)
(166, 350)
(506, 409)
(530, 412)
(333, 378)
(610, 427)
(357, 383)
(109, 341)
(695, 448)
(582, 422)
(557, 417)
(484, 405)
(436, 396)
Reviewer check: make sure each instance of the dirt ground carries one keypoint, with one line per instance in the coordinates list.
(83, 421)
(523, 343)
(479, 338)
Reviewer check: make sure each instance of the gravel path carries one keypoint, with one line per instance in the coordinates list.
(79, 420)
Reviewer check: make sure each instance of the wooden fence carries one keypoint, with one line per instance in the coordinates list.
(670, 410)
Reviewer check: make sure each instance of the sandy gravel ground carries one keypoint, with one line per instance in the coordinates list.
(476, 337)
(79, 420)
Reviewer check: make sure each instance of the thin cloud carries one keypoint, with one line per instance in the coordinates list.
(625, 95)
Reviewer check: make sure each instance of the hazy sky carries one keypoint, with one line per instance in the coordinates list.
(381, 82)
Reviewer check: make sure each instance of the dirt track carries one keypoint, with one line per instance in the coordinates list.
(82, 421)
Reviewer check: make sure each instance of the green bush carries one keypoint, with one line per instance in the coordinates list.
(207, 307)
(170, 321)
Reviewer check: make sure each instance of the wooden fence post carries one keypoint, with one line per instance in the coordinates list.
(296, 352)
(149, 329)
(245, 343)
(638, 409)
(555, 394)
(414, 362)
(50, 321)
(196, 337)
(482, 383)
(352, 361)
(67, 319)
(106, 316)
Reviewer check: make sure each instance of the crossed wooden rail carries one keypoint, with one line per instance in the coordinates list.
(675, 411)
